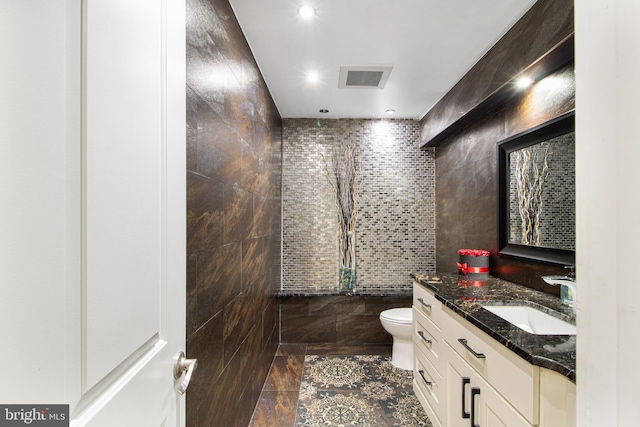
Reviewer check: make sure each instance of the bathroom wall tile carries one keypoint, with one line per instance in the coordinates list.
(253, 261)
(218, 279)
(233, 395)
(467, 194)
(238, 214)
(219, 148)
(221, 397)
(285, 349)
(261, 132)
(245, 408)
(254, 367)
(191, 413)
(233, 154)
(262, 288)
(239, 113)
(294, 305)
(205, 213)
(240, 316)
(526, 273)
(204, 346)
(263, 213)
(192, 294)
(308, 329)
(226, 32)
(333, 305)
(192, 129)
(270, 326)
(347, 319)
(274, 276)
(273, 341)
(255, 176)
(485, 173)
(375, 305)
(361, 329)
(202, 55)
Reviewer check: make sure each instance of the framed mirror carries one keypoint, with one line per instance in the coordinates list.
(536, 193)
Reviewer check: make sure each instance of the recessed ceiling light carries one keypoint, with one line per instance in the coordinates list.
(306, 11)
(524, 82)
(313, 77)
(390, 111)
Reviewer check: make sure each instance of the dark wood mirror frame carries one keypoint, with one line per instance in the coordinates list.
(551, 129)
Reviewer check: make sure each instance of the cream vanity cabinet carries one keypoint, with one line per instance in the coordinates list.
(463, 377)
(429, 382)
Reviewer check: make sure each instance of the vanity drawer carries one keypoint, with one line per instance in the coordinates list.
(426, 303)
(430, 383)
(513, 377)
(427, 338)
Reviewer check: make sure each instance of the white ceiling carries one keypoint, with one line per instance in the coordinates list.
(430, 43)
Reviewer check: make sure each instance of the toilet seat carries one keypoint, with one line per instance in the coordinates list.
(398, 315)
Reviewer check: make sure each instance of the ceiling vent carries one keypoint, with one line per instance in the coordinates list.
(364, 76)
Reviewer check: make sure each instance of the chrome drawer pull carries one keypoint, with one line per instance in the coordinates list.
(465, 345)
(424, 303)
(421, 333)
(429, 383)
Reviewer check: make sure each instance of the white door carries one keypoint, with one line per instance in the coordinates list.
(93, 200)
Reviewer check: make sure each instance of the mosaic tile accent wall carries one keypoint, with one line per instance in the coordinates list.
(395, 226)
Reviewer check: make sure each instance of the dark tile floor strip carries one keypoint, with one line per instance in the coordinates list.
(280, 401)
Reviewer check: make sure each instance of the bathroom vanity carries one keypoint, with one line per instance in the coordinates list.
(475, 368)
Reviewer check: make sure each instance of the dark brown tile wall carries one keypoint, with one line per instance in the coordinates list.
(234, 169)
(547, 23)
(466, 163)
(336, 319)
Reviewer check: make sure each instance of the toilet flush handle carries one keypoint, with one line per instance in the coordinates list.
(183, 368)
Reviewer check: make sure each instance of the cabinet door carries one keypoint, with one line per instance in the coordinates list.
(472, 402)
(459, 378)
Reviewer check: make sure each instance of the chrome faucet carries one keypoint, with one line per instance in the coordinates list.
(569, 281)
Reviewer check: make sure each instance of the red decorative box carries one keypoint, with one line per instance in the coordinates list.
(473, 263)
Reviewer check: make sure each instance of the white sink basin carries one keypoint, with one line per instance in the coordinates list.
(532, 320)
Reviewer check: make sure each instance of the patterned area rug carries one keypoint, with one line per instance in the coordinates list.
(341, 391)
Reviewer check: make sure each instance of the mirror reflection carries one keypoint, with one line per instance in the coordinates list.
(536, 192)
(542, 194)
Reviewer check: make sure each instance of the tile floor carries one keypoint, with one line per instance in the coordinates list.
(279, 398)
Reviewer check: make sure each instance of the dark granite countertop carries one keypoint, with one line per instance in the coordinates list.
(555, 352)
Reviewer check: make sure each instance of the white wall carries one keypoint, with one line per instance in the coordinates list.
(608, 211)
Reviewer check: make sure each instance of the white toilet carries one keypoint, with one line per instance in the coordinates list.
(399, 323)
